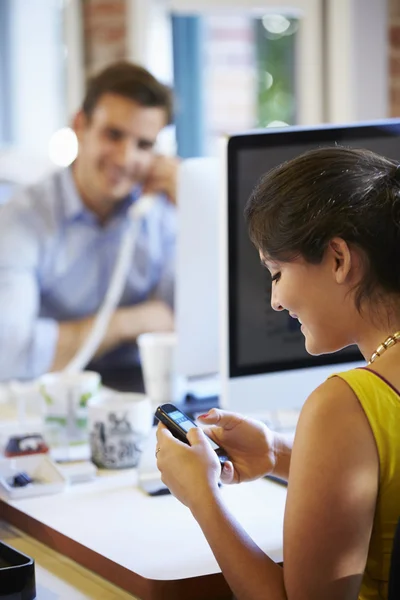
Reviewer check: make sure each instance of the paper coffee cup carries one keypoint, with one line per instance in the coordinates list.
(158, 360)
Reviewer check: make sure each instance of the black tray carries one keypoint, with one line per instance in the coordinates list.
(17, 574)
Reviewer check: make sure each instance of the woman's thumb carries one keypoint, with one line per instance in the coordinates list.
(222, 418)
(196, 436)
(211, 417)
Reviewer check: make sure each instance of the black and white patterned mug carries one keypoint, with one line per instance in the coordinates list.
(119, 424)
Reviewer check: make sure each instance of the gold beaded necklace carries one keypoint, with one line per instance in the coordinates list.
(388, 343)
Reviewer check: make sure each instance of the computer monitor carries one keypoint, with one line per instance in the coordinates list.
(197, 267)
(264, 364)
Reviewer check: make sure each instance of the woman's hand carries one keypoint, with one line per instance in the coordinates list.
(249, 444)
(190, 472)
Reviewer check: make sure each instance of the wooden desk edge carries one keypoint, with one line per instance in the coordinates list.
(212, 586)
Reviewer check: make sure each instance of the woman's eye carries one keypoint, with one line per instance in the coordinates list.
(276, 277)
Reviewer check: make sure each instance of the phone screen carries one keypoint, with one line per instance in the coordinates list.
(181, 420)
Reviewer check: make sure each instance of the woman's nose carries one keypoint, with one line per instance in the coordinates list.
(275, 304)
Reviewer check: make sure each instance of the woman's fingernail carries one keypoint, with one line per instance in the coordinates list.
(204, 416)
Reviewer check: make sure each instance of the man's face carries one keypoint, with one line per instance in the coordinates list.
(115, 149)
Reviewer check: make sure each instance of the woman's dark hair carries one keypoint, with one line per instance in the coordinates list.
(298, 207)
(130, 81)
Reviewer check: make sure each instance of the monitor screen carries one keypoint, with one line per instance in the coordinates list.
(262, 340)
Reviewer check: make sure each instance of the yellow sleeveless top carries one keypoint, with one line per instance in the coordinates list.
(381, 404)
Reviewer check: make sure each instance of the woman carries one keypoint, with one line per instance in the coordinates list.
(327, 227)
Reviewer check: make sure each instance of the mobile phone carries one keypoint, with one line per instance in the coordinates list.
(179, 424)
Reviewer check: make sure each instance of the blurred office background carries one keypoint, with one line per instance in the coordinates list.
(234, 65)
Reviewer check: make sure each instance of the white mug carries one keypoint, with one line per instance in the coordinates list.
(119, 424)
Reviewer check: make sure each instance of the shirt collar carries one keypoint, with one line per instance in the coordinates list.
(73, 205)
(74, 208)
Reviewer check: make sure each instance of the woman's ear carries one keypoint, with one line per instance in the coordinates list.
(342, 259)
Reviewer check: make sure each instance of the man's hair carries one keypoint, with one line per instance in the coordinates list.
(130, 81)
(298, 207)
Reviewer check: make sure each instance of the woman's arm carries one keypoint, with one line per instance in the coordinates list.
(332, 492)
(330, 507)
(283, 451)
(250, 573)
(329, 514)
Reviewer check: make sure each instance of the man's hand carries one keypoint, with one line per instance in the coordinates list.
(162, 177)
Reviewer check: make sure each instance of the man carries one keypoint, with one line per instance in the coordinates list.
(59, 239)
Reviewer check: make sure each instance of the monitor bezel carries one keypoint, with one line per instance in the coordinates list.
(328, 133)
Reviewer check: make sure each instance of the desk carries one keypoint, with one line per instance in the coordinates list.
(149, 546)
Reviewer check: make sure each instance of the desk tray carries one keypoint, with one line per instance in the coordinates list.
(17, 574)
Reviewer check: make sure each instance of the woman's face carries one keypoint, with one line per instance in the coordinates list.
(318, 297)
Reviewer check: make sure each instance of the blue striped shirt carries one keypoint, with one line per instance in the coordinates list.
(56, 262)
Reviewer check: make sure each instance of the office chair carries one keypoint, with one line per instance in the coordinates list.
(394, 573)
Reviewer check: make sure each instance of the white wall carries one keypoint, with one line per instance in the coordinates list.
(37, 72)
(357, 60)
(150, 37)
(74, 46)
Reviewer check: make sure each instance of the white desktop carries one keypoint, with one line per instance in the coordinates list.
(201, 304)
(197, 267)
(264, 365)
